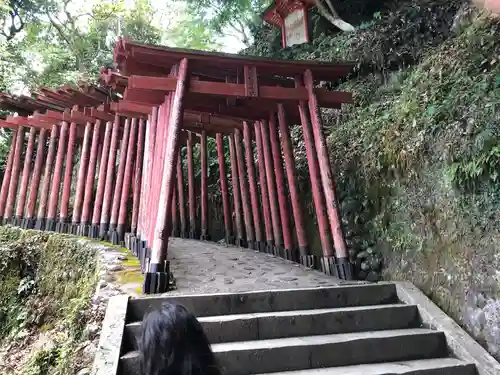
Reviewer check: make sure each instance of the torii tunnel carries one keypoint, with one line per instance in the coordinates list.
(105, 161)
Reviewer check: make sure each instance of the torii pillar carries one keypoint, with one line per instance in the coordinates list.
(29, 222)
(25, 179)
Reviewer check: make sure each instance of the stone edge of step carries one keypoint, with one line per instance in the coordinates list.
(310, 340)
(392, 368)
(269, 300)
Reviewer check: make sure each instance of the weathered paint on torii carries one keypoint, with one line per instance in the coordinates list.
(130, 184)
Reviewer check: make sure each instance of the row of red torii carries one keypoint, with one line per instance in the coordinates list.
(124, 138)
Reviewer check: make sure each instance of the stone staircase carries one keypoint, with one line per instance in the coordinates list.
(346, 330)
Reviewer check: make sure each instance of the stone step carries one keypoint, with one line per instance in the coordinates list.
(271, 325)
(267, 301)
(301, 353)
(439, 366)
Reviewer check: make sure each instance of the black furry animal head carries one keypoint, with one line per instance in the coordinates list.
(173, 343)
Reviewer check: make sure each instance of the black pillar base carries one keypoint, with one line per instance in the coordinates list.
(175, 233)
(291, 255)
(94, 231)
(269, 247)
(204, 236)
(144, 256)
(261, 246)
(28, 224)
(193, 235)
(311, 261)
(17, 221)
(84, 230)
(127, 240)
(40, 224)
(241, 242)
(136, 246)
(278, 251)
(345, 269)
(73, 228)
(133, 245)
(103, 231)
(62, 226)
(329, 266)
(120, 230)
(229, 240)
(304, 251)
(50, 225)
(157, 279)
(252, 245)
(114, 237)
(183, 232)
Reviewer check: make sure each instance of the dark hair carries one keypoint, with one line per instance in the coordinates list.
(173, 343)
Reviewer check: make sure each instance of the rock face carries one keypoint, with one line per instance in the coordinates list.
(42, 334)
(112, 261)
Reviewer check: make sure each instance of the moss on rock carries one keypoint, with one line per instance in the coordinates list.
(46, 283)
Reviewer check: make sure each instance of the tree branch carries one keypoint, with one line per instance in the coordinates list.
(333, 17)
(59, 29)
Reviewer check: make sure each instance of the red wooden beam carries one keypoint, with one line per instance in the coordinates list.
(160, 242)
(115, 208)
(85, 228)
(35, 180)
(101, 115)
(110, 170)
(280, 185)
(254, 192)
(4, 192)
(293, 186)
(191, 191)
(68, 174)
(8, 125)
(14, 179)
(271, 185)
(50, 224)
(204, 186)
(266, 209)
(127, 180)
(228, 222)
(239, 240)
(80, 182)
(315, 178)
(47, 174)
(328, 181)
(101, 181)
(166, 84)
(245, 197)
(138, 173)
(31, 121)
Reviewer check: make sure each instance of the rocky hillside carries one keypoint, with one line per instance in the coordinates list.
(53, 294)
(417, 156)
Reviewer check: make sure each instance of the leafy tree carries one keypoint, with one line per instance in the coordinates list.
(191, 31)
(237, 17)
(229, 17)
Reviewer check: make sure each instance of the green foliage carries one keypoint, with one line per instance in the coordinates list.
(191, 31)
(229, 17)
(56, 47)
(46, 282)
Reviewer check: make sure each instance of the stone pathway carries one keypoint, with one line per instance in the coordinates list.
(207, 267)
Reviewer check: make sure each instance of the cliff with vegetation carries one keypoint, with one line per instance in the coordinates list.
(417, 156)
(53, 294)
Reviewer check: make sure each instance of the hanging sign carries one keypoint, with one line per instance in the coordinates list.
(295, 28)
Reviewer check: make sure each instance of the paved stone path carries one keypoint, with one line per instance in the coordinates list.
(207, 267)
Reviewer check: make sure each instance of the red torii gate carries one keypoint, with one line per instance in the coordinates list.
(129, 146)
